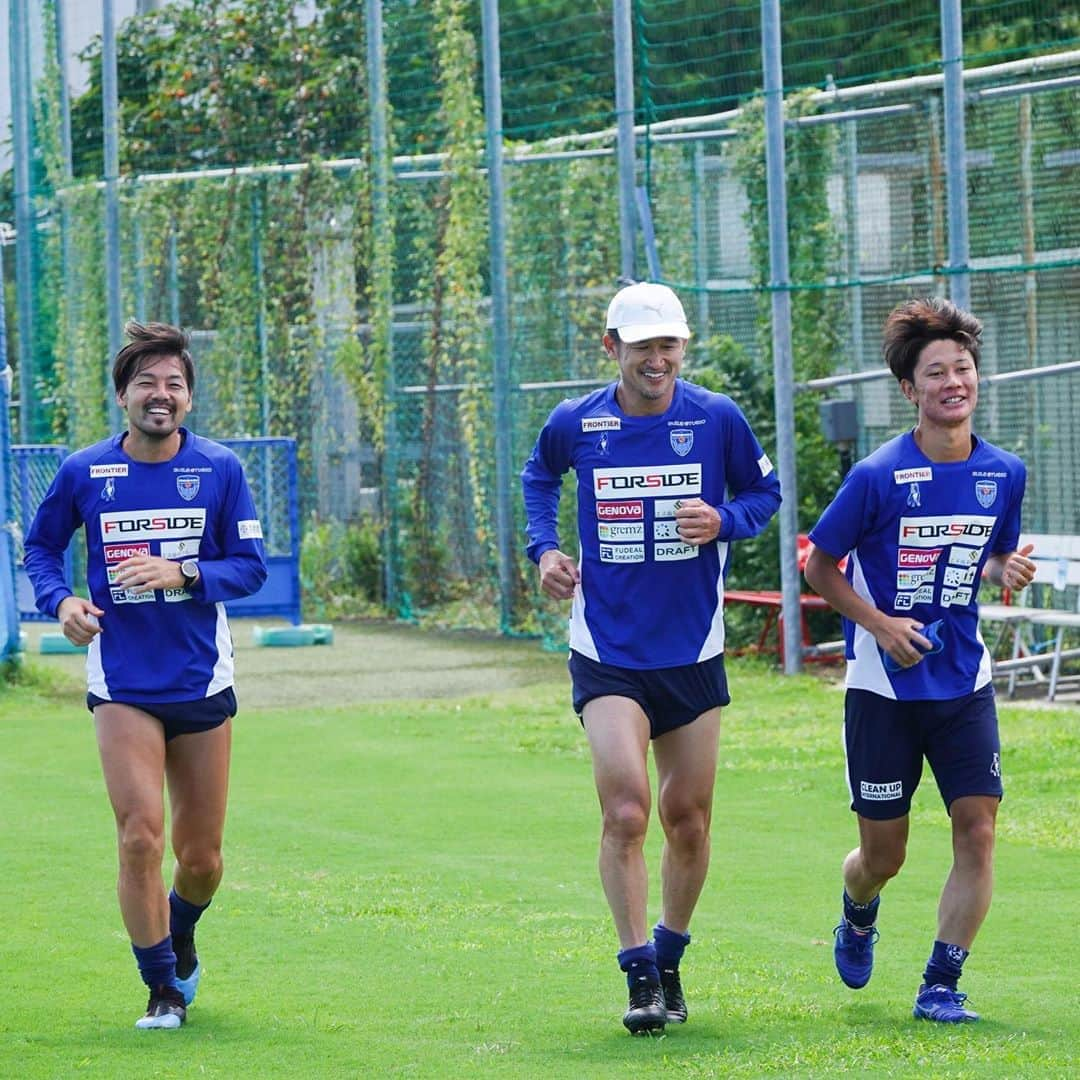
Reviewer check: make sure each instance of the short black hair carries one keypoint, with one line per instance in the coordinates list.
(914, 324)
(150, 341)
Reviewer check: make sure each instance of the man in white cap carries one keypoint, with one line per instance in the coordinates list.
(668, 475)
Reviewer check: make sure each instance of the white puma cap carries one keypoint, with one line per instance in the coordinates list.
(647, 310)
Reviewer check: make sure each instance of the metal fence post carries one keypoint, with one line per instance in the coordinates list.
(260, 306)
(952, 63)
(111, 145)
(59, 19)
(500, 305)
(624, 114)
(783, 358)
(22, 151)
(9, 613)
(382, 288)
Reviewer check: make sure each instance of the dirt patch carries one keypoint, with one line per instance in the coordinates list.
(366, 662)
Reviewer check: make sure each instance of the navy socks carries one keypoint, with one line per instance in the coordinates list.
(640, 963)
(157, 963)
(861, 916)
(183, 915)
(945, 965)
(670, 947)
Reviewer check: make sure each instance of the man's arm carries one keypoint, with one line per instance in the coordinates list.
(541, 484)
(240, 566)
(1011, 569)
(240, 569)
(752, 484)
(46, 541)
(898, 636)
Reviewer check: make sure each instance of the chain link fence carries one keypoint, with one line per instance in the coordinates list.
(245, 214)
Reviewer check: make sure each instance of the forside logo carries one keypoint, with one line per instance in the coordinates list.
(653, 479)
(125, 525)
(931, 531)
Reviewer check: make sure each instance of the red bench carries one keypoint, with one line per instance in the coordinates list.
(773, 626)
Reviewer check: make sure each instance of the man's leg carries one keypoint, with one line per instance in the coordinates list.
(879, 856)
(686, 775)
(618, 733)
(197, 767)
(132, 748)
(965, 900)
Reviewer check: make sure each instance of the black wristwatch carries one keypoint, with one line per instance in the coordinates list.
(190, 569)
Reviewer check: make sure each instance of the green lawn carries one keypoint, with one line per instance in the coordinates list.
(411, 891)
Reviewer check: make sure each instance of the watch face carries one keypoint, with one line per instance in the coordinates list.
(190, 569)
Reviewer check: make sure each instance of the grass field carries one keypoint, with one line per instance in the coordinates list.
(411, 888)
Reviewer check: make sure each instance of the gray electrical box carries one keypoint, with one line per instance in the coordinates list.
(839, 420)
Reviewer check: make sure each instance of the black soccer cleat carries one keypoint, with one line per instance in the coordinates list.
(674, 1002)
(646, 1013)
(165, 1009)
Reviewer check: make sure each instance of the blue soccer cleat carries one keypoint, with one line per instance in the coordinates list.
(190, 985)
(853, 952)
(943, 1004)
(188, 968)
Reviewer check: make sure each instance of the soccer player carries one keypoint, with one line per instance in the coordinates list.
(924, 518)
(668, 475)
(171, 534)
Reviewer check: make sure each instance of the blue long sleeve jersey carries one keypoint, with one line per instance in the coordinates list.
(647, 599)
(165, 644)
(919, 533)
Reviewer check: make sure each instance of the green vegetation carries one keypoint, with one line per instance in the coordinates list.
(411, 890)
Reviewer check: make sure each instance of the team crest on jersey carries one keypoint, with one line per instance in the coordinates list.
(681, 442)
(914, 495)
(187, 487)
(602, 445)
(108, 492)
(986, 492)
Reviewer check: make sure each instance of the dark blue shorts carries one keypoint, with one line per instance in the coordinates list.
(670, 697)
(887, 740)
(182, 717)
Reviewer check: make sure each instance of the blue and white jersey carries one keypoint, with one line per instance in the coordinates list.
(648, 599)
(918, 533)
(165, 644)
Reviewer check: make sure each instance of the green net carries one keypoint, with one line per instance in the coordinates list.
(247, 207)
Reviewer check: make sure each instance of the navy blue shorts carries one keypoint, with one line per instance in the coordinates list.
(670, 697)
(887, 740)
(182, 717)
